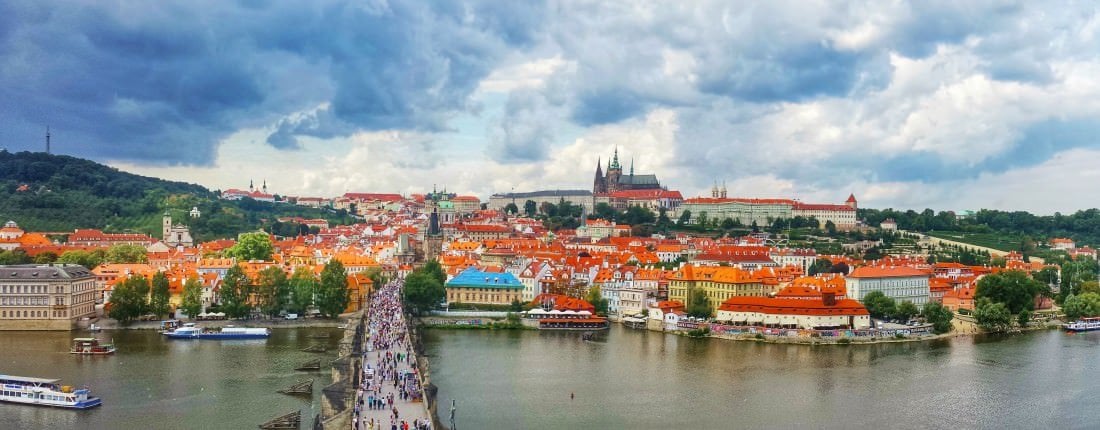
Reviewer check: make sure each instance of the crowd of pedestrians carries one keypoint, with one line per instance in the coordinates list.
(390, 392)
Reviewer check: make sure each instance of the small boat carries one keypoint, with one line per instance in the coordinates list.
(94, 328)
(45, 392)
(634, 322)
(91, 346)
(190, 331)
(1083, 324)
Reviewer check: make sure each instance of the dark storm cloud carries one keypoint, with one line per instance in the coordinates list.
(163, 82)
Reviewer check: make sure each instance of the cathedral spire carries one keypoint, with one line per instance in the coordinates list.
(615, 160)
(631, 166)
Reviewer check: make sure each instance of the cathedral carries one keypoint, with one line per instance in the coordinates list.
(614, 179)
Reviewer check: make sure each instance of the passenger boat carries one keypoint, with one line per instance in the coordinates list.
(189, 331)
(1083, 324)
(634, 322)
(45, 392)
(91, 346)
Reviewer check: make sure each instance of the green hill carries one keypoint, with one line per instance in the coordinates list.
(44, 192)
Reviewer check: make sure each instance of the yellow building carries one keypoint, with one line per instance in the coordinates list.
(720, 283)
(484, 288)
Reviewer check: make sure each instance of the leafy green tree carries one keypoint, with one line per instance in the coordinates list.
(376, 277)
(596, 299)
(422, 292)
(605, 211)
(905, 311)
(530, 208)
(252, 246)
(830, 227)
(125, 254)
(1014, 288)
(1088, 287)
(235, 292)
(1023, 318)
(191, 302)
(939, 316)
(511, 209)
(434, 269)
(993, 317)
(158, 301)
(129, 299)
(698, 304)
(84, 258)
(45, 258)
(303, 286)
(332, 294)
(685, 218)
(727, 224)
(17, 256)
(820, 265)
(638, 215)
(273, 290)
(515, 306)
(1091, 303)
(878, 305)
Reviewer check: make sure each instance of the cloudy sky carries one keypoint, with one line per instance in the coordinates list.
(949, 105)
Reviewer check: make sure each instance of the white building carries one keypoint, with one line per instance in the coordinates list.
(903, 284)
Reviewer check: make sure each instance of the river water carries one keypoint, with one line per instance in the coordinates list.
(156, 383)
(631, 379)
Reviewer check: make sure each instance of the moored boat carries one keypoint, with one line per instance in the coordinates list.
(91, 346)
(45, 392)
(1083, 324)
(190, 331)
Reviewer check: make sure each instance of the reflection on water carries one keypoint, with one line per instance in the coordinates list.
(637, 379)
(153, 382)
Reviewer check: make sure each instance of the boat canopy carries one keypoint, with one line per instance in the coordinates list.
(28, 379)
(84, 339)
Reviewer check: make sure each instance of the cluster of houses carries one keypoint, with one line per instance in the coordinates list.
(496, 258)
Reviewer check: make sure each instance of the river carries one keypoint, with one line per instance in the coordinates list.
(156, 383)
(631, 379)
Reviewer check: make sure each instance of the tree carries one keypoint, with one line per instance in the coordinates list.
(273, 290)
(422, 292)
(878, 305)
(830, 227)
(434, 269)
(1074, 308)
(530, 207)
(820, 265)
(158, 300)
(191, 302)
(511, 209)
(727, 223)
(45, 258)
(937, 315)
(698, 304)
(1014, 288)
(605, 211)
(128, 299)
(1088, 287)
(685, 218)
(1023, 318)
(332, 293)
(905, 311)
(126, 254)
(303, 285)
(18, 256)
(235, 291)
(993, 317)
(596, 299)
(376, 277)
(252, 246)
(84, 258)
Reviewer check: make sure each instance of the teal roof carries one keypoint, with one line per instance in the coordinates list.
(473, 278)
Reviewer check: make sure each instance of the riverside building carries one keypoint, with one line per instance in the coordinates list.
(45, 297)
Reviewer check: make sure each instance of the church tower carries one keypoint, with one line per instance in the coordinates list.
(598, 184)
(166, 226)
(614, 172)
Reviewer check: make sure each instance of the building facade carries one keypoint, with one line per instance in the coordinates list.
(45, 297)
(903, 284)
(577, 197)
(484, 288)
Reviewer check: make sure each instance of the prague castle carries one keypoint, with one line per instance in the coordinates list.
(614, 179)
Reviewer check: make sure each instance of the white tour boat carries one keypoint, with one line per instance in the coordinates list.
(44, 392)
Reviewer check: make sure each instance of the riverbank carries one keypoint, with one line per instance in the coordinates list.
(109, 324)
